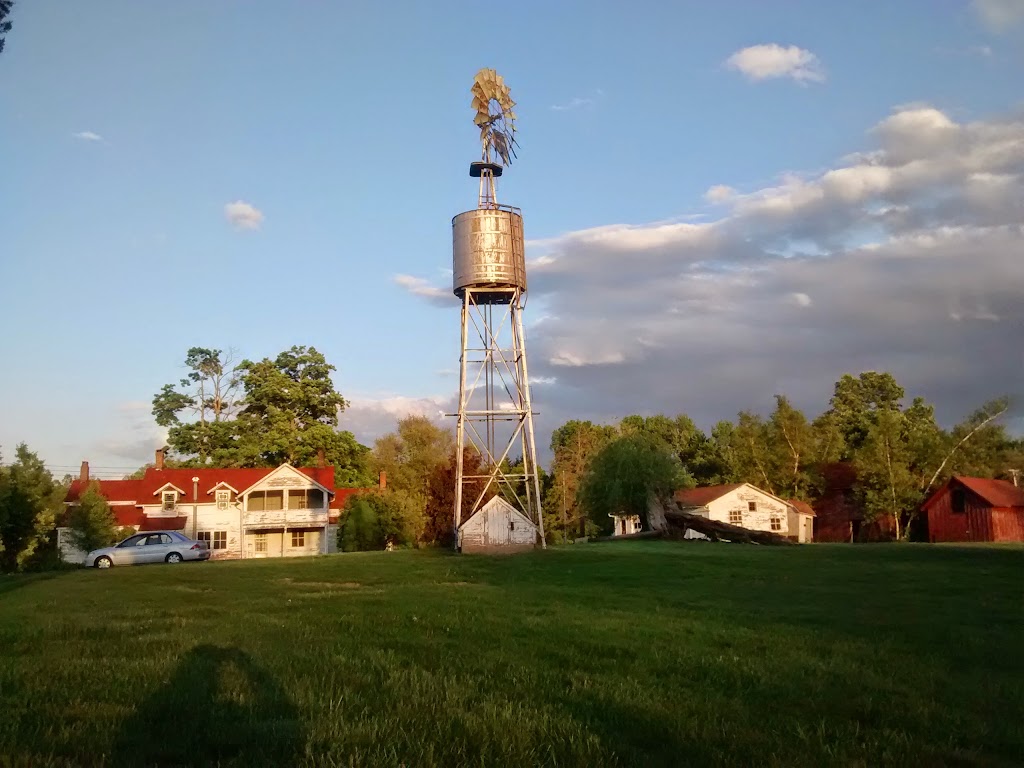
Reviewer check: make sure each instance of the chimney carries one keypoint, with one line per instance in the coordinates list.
(83, 474)
(195, 488)
(1015, 474)
(382, 480)
(159, 459)
(321, 458)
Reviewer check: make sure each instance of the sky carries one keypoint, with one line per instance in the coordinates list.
(722, 201)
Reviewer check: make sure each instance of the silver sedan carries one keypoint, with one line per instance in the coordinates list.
(150, 547)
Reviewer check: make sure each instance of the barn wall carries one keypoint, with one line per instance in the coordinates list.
(974, 524)
(1008, 524)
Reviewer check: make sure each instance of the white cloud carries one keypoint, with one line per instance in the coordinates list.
(243, 215)
(87, 136)
(763, 62)
(418, 286)
(801, 299)
(578, 102)
(1000, 14)
(370, 417)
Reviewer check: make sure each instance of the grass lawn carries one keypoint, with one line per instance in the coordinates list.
(639, 653)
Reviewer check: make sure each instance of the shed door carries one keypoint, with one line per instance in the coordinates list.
(498, 528)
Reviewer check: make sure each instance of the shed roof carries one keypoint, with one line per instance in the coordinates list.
(801, 506)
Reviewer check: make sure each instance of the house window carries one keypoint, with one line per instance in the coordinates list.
(170, 500)
(958, 499)
(310, 498)
(261, 542)
(298, 538)
(220, 539)
(736, 517)
(751, 506)
(776, 523)
(204, 536)
(269, 501)
(223, 499)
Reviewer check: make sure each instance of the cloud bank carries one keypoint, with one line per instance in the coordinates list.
(908, 258)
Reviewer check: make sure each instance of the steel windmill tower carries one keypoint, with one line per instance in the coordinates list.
(489, 276)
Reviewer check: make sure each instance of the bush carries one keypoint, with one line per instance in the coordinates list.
(380, 520)
(92, 525)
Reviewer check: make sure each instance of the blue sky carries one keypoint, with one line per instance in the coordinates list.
(127, 127)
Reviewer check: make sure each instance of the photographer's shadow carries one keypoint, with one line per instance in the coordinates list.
(218, 707)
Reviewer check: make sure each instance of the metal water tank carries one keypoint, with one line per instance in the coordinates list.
(489, 252)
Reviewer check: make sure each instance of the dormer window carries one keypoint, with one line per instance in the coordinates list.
(223, 499)
(170, 500)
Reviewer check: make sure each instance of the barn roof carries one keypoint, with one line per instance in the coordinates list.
(698, 497)
(998, 493)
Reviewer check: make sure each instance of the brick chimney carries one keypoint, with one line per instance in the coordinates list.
(321, 458)
(159, 458)
(83, 474)
(382, 480)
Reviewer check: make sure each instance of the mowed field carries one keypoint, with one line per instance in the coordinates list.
(638, 653)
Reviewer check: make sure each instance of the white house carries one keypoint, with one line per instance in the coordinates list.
(739, 504)
(242, 513)
(497, 527)
(625, 525)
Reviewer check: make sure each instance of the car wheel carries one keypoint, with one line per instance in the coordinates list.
(104, 562)
(174, 557)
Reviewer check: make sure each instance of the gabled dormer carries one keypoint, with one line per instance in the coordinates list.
(286, 488)
(168, 496)
(223, 495)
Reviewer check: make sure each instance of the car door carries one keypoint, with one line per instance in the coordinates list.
(156, 549)
(129, 551)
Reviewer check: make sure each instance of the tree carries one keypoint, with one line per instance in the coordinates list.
(791, 442)
(625, 475)
(209, 393)
(29, 503)
(854, 403)
(439, 524)
(885, 479)
(359, 530)
(91, 522)
(412, 453)
(574, 445)
(978, 445)
(680, 436)
(751, 439)
(287, 412)
(5, 25)
(378, 520)
(715, 459)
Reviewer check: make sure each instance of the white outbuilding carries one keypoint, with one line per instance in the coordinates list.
(497, 527)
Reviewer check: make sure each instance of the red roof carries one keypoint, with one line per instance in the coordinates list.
(144, 490)
(698, 497)
(801, 506)
(128, 514)
(998, 493)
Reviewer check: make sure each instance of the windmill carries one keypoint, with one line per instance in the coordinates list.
(495, 415)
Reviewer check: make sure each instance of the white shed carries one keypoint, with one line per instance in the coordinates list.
(739, 504)
(497, 527)
(625, 525)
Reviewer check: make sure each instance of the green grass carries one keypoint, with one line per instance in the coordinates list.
(639, 653)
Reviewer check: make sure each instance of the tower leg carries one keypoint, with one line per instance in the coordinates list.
(460, 429)
(499, 418)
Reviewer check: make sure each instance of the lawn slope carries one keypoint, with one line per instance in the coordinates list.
(640, 653)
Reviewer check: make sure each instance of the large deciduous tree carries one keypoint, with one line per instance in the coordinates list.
(261, 413)
(439, 527)
(625, 476)
(378, 520)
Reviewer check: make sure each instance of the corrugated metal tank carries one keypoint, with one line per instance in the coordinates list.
(489, 251)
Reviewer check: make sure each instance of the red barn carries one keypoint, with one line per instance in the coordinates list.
(975, 509)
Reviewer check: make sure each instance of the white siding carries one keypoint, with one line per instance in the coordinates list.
(497, 525)
(624, 525)
(739, 499)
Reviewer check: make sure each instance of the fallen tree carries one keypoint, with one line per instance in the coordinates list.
(679, 522)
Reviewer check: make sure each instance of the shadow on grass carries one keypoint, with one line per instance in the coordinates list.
(217, 708)
(14, 581)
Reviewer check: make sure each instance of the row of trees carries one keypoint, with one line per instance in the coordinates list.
(899, 453)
